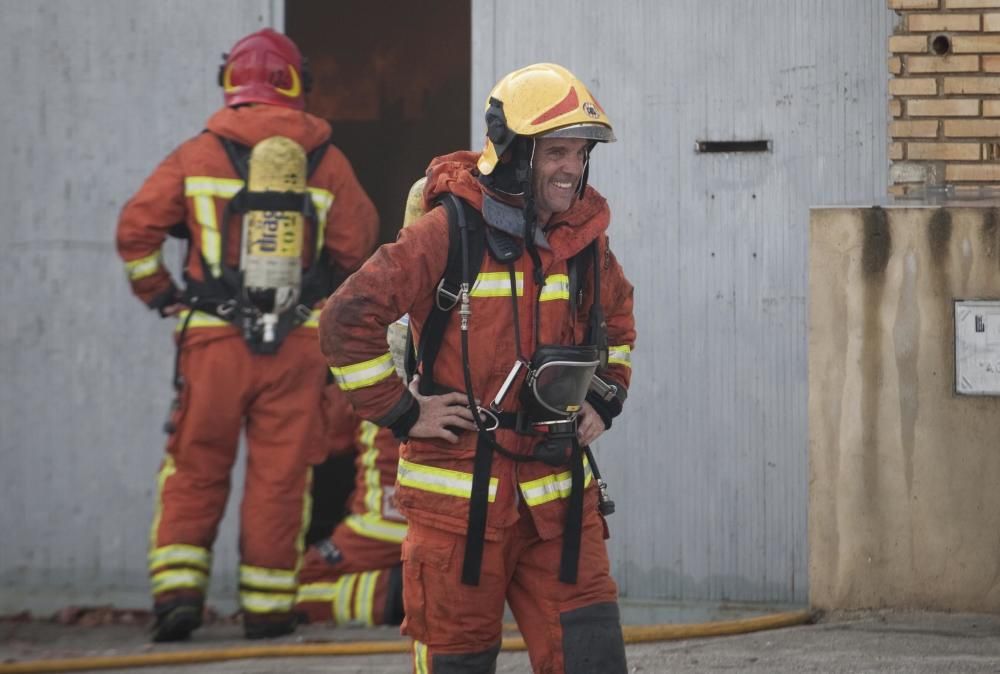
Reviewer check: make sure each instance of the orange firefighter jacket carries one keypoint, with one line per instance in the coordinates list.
(190, 189)
(435, 477)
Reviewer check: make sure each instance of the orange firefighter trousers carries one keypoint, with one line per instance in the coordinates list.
(277, 398)
(443, 616)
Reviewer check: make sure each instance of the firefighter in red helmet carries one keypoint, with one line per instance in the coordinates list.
(274, 216)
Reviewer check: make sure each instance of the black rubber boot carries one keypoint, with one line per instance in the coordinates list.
(176, 619)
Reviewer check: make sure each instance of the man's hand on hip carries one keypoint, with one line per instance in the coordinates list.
(438, 413)
(590, 425)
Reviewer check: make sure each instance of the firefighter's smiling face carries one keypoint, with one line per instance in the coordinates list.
(557, 167)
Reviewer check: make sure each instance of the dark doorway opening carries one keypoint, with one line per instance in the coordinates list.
(393, 79)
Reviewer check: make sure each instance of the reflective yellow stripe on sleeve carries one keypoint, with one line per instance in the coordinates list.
(552, 487)
(620, 355)
(144, 267)
(360, 375)
(556, 288)
(440, 480)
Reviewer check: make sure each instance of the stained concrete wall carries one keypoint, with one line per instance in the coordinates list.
(904, 504)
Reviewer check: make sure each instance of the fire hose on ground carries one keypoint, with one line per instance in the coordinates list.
(634, 634)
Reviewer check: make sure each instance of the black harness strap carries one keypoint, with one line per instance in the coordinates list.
(460, 215)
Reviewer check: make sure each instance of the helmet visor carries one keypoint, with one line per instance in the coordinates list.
(596, 132)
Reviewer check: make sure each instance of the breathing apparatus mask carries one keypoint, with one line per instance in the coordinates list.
(552, 395)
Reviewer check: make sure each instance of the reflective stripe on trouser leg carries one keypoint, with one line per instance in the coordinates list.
(592, 640)
(350, 599)
(178, 566)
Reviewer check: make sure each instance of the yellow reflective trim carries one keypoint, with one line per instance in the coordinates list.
(367, 431)
(322, 201)
(144, 267)
(313, 321)
(307, 504)
(179, 579)
(266, 602)
(210, 186)
(420, 665)
(211, 239)
(261, 578)
(200, 319)
(367, 373)
(496, 284)
(372, 526)
(556, 288)
(317, 592)
(620, 355)
(439, 480)
(180, 555)
(342, 600)
(203, 191)
(166, 470)
(364, 598)
(552, 487)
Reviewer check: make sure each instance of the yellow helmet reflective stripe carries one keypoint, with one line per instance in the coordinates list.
(543, 99)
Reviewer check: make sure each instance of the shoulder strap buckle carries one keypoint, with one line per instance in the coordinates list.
(444, 298)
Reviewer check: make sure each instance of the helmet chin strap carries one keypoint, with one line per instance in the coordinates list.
(586, 171)
(531, 216)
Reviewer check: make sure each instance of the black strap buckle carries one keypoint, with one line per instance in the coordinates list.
(490, 419)
(226, 309)
(450, 298)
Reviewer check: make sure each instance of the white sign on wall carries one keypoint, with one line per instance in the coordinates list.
(977, 347)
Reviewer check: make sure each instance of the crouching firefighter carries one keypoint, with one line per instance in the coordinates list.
(273, 214)
(522, 321)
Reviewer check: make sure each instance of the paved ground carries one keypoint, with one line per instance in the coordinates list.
(921, 643)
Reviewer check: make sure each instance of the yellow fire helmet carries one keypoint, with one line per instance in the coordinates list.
(543, 99)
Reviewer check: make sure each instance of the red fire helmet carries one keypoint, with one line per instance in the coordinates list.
(264, 67)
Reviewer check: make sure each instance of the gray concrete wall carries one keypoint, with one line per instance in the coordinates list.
(95, 94)
(709, 462)
(904, 506)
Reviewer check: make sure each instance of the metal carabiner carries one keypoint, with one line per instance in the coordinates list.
(485, 412)
(450, 296)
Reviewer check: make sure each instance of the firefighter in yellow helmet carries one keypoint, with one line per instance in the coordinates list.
(523, 323)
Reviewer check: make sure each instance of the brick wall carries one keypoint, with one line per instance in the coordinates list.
(944, 105)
